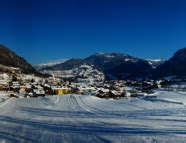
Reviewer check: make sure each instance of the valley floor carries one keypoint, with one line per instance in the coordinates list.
(73, 119)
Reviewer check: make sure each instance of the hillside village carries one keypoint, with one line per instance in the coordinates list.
(21, 85)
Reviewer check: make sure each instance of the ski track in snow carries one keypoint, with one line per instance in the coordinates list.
(81, 119)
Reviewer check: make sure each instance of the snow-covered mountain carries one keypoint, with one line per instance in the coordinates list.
(119, 66)
(75, 69)
(155, 62)
(113, 65)
(106, 61)
(123, 66)
(67, 65)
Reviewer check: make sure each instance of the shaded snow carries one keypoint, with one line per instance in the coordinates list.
(73, 118)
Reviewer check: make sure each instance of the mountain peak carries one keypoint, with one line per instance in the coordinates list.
(99, 53)
(180, 55)
(109, 54)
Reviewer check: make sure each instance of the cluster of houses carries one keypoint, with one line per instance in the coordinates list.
(31, 86)
(26, 86)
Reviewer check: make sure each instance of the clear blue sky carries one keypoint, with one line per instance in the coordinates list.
(44, 30)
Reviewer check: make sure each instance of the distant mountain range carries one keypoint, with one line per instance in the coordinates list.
(123, 66)
(49, 64)
(113, 65)
(67, 65)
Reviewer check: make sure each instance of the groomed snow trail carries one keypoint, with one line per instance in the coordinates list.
(81, 119)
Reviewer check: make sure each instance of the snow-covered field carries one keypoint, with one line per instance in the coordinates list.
(81, 119)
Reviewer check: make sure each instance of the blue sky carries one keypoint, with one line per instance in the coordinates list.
(44, 30)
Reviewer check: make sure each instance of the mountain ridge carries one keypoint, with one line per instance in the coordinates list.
(123, 66)
(113, 65)
(10, 62)
(107, 62)
(11, 59)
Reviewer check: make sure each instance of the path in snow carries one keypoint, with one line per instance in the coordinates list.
(74, 118)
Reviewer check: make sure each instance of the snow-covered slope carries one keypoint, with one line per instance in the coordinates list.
(77, 69)
(82, 73)
(74, 118)
(155, 62)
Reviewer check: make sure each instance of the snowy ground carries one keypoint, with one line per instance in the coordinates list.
(75, 119)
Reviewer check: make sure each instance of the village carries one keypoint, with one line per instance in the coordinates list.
(30, 86)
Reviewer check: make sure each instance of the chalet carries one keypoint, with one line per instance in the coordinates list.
(61, 90)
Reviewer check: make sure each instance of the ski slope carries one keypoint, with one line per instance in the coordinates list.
(81, 119)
